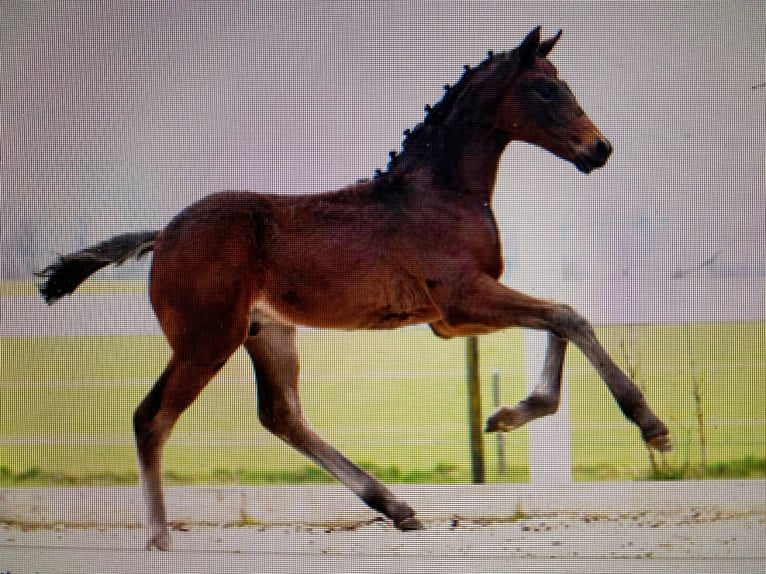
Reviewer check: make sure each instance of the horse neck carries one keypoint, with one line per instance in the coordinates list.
(475, 172)
(460, 157)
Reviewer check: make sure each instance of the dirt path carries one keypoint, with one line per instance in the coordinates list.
(681, 527)
(648, 542)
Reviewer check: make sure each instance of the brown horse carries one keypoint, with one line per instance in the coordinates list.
(416, 244)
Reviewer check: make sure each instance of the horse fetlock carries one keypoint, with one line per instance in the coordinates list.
(159, 538)
(404, 517)
(507, 418)
(656, 435)
(378, 497)
(661, 443)
(408, 524)
(541, 404)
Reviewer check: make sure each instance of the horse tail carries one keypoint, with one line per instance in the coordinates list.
(65, 275)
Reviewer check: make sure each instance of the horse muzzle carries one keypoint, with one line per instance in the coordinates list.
(593, 156)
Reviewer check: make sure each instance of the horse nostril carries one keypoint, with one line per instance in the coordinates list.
(603, 148)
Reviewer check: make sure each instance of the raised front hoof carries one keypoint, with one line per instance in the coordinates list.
(660, 442)
(505, 419)
(656, 435)
(159, 539)
(408, 524)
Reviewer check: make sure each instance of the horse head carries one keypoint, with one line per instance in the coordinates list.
(539, 108)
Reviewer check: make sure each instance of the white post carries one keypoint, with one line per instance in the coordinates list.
(542, 248)
(537, 259)
(550, 440)
(499, 437)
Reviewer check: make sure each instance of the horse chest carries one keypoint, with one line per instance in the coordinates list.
(465, 241)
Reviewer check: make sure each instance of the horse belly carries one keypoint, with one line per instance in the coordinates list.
(358, 302)
(401, 302)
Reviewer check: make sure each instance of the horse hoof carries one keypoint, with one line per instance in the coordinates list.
(503, 420)
(661, 443)
(159, 540)
(408, 524)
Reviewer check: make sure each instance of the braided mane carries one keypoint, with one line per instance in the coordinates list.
(460, 106)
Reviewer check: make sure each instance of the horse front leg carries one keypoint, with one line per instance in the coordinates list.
(543, 400)
(274, 354)
(484, 304)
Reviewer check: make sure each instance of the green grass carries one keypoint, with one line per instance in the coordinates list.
(394, 402)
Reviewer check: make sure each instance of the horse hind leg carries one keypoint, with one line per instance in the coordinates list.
(543, 400)
(274, 354)
(153, 419)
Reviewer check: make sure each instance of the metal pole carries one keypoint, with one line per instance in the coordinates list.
(474, 410)
(499, 437)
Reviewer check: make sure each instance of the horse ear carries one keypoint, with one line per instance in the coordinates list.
(528, 47)
(546, 46)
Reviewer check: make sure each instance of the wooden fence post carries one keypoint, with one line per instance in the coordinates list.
(474, 410)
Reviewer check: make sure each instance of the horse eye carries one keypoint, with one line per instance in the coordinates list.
(546, 91)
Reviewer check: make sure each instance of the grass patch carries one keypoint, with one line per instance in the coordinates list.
(748, 467)
(36, 476)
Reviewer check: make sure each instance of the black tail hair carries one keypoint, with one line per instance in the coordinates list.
(66, 274)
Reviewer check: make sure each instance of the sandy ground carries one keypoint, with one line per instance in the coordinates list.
(644, 542)
(713, 526)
